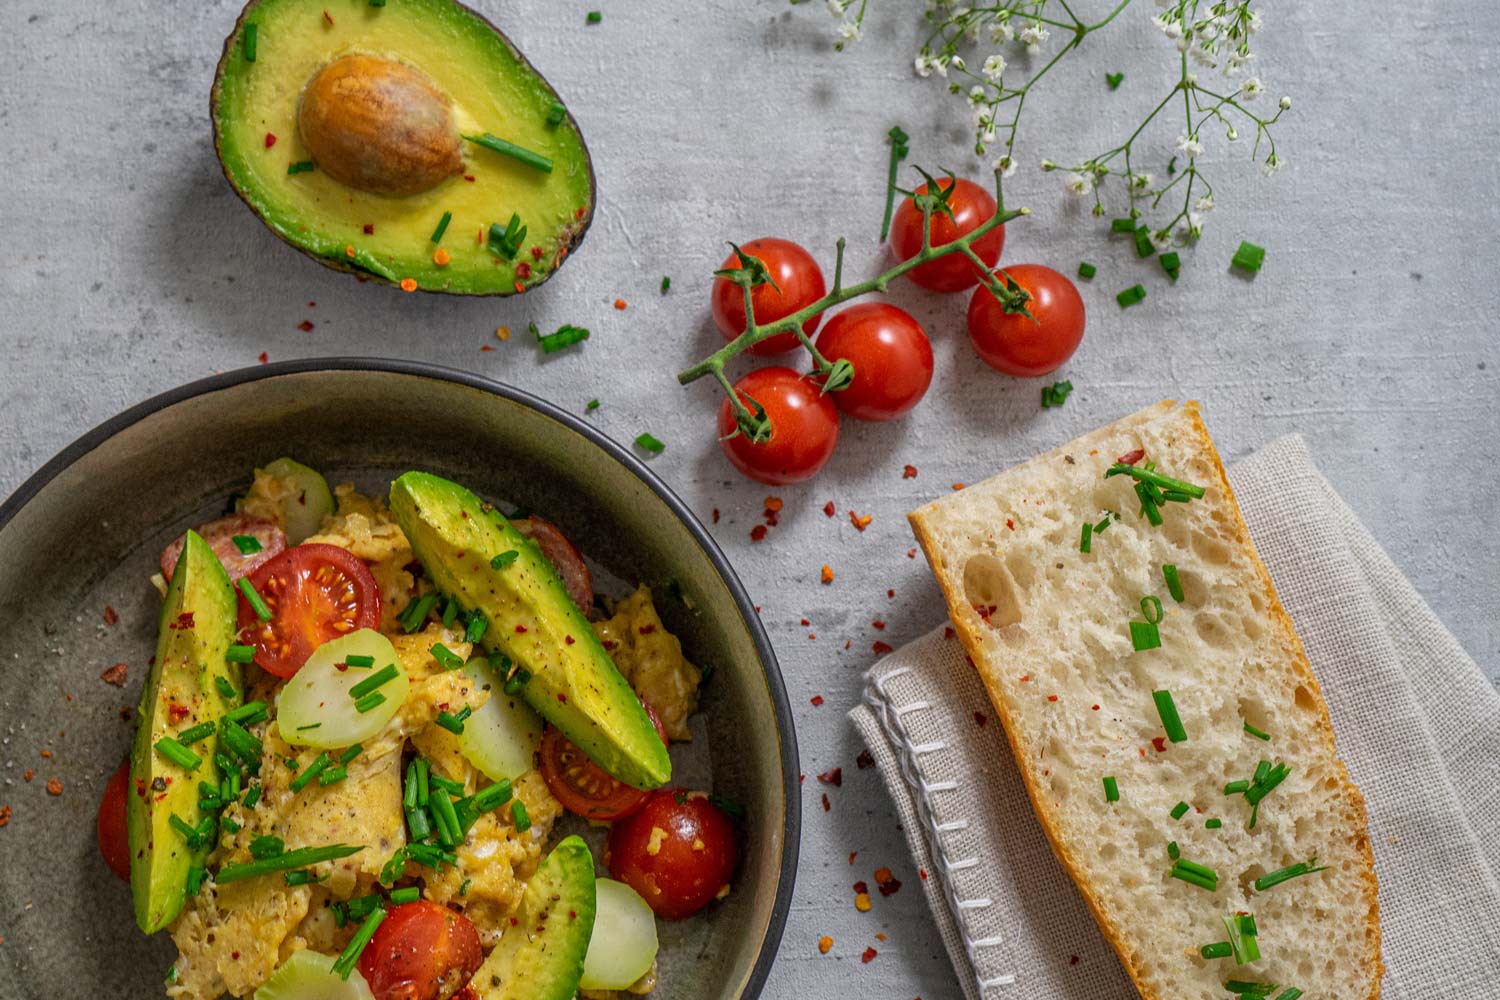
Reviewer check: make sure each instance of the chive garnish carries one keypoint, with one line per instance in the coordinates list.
(556, 113)
(1122, 225)
(332, 776)
(1131, 296)
(446, 820)
(1242, 943)
(417, 823)
(1156, 479)
(1173, 851)
(310, 725)
(1055, 394)
(415, 614)
(594, 17)
(1144, 635)
(266, 846)
(1180, 810)
(303, 876)
(1213, 824)
(648, 442)
(666, 283)
(1101, 525)
(300, 167)
(408, 895)
(350, 753)
(1174, 583)
(196, 875)
(247, 544)
(248, 714)
(346, 961)
(1172, 264)
(1195, 874)
(358, 660)
(1170, 721)
(1219, 949)
(1149, 510)
(454, 723)
(248, 41)
(446, 658)
(1086, 542)
(1236, 787)
(369, 701)
(450, 613)
(202, 730)
(1143, 245)
(517, 681)
(476, 627)
(1257, 733)
(1264, 785)
(1111, 789)
(238, 653)
(422, 787)
(362, 906)
(565, 336)
(519, 153)
(178, 754)
(381, 677)
(182, 826)
(1087, 270)
(593, 405)
(1248, 257)
(226, 689)
(519, 816)
(257, 604)
(494, 796)
(300, 858)
(317, 767)
(1281, 875)
(442, 227)
(446, 784)
(1114, 80)
(1290, 993)
(1254, 990)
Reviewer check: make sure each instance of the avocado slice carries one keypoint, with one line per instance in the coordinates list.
(196, 628)
(574, 684)
(341, 124)
(540, 956)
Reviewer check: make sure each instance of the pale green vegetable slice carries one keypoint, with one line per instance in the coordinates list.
(624, 944)
(308, 975)
(319, 706)
(306, 501)
(501, 738)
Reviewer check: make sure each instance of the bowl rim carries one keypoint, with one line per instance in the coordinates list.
(787, 739)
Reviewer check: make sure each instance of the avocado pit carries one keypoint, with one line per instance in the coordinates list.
(379, 126)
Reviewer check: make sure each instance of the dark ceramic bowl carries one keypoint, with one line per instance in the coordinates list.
(82, 536)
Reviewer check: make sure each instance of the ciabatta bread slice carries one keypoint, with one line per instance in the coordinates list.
(1048, 628)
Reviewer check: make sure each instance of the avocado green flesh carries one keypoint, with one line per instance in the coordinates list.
(540, 957)
(574, 684)
(197, 626)
(492, 89)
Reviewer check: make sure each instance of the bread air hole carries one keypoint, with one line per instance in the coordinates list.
(991, 591)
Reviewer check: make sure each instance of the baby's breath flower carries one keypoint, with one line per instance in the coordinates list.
(1204, 55)
(1204, 204)
(1252, 88)
(923, 64)
(1188, 145)
(1034, 34)
(1048, 166)
(1006, 165)
(976, 94)
(848, 32)
(958, 63)
(837, 7)
(1141, 182)
(1078, 184)
(1273, 163)
(1286, 104)
(993, 68)
(1161, 239)
(1001, 31)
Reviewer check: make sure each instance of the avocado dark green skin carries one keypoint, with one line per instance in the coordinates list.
(541, 956)
(197, 626)
(574, 684)
(570, 237)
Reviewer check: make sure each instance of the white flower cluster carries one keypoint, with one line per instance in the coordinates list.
(849, 29)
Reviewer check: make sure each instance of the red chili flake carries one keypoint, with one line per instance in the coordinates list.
(716, 515)
(827, 806)
(29, 775)
(369, 229)
(621, 304)
(922, 874)
(758, 532)
(115, 675)
(826, 574)
(270, 139)
(1160, 743)
(805, 622)
(1143, 751)
(877, 623)
(852, 856)
(523, 270)
(887, 883)
(234, 955)
(828, 508)
(124, 713)
(306, 326)
(646, 629)
(860, 888)
(868, 956)
(312, 305)
(1010, 524)
(520, 629)
(175, 712)
(567, 640)
(562, 697)
(909, 472)
(834, 777)
(891, 592)
(860, 522)
(470, 179)
(329, 18)
(579, 214)
(1132, 457)
(4, 815)
(486, 347)
(1073, 959)
(864, 760)
(812, 635)
(111, 616)
(981, 720)
(801, 779)
(1096, 708)
(182, 622)
(816, 699)
(948, 631)
(848, 643)
(881, 647)
(957, 487)
(1025, 678)
(911, 553)
(536, 253)
(1052, 697)
(519, 287)
(54, 787)
(774, 504)
(262, 357)
(880, 936)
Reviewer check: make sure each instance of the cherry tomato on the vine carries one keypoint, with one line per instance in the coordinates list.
(804, 427)
(1016, 344)
(891, 355)
(799, 283)
(972, 206)
(114, 842)
(678, 851)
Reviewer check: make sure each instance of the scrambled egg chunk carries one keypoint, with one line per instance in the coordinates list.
(651, 659)
(365, 527)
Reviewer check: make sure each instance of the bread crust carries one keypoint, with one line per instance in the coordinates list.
(951, 582)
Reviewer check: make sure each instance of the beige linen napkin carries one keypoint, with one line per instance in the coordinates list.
(1416, 721)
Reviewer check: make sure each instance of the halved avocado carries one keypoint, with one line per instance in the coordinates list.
(342, 124)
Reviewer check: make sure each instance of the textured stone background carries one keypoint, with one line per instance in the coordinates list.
(129, 267)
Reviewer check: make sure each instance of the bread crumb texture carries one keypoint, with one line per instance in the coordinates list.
(1047, 626)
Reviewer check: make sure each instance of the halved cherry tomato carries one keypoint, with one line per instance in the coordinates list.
(1016, 344)
(583, 787)
(315, 593)
(563, 557)
(678, 851)
(421, 951)
(891, 355)
(972, 206)
(804, 427)
(114, 843)
(220, 536)
(800, 283)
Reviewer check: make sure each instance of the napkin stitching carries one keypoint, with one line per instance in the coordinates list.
(890, 717)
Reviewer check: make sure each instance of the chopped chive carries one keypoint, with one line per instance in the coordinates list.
(593, 405)
(196, 875)
(1101, 525)
(1264, 785)
(504, 148)
(1170, 721)
(517, 681)
(310, 725)
(506, 241)
(1290, 993)
(257, 604)
(1236, 787)
(475, 629)
(648, 442)
(1242, 938)
(248, 40)
(362, 906)
(202, 730)
(1173, 851)
(266, 846)
(445, 818)
(1261, 770)
(494, 796)
(238, 653)
(1182, 866)
(1180, 810)
(1219, 949)
(1174, 583)
(1114, 80)
(556, 113)
(422, 787)
(1248, 257)
(303, 876)
(446, 784)
(450, 613)
(302, 857)
(417, 823)
(1122, 225)
(229, 825)
(346, 961)
(1085, 543)
(1144, 635)
(415, 614)
(463, 887)
(565, 336)
(1156, 479)
(666, 284)
(442, 227)
(1252, 990)
(247, 544)
(450, 722)
(1131, 296)
(408, 895)
(369, 701)
(519, 817)
(1213, 823)
(1111, 790)
(1192, 878)
(359, 660)
(178, 754)
(446, 658)
(409, 792)
(301, 167)
(1171, 263)
(381, 677)
(248, 714)
(1149, 510)
(350, 753)
(1257, 733)
(332, 776)
(1151, 609)
(252, 796)
(1087, 270)
(504, 559)
(1281, 875)
(1143, 245)
(1175, 496)
(182, 826)
(1055, 394)
(594, 17)
(226, 689)
(317, 767)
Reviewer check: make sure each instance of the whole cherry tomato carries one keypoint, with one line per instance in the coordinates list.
(315, 593)
(678, 851)
(799, 283)
(804, 427)
(1012, 342)
(972, 206)
(891, 355)
(114, 842)
(421, 951)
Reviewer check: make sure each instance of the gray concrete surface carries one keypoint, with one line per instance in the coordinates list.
(129, 268)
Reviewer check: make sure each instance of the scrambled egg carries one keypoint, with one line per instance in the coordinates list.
(365, 527)
(651, 659)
